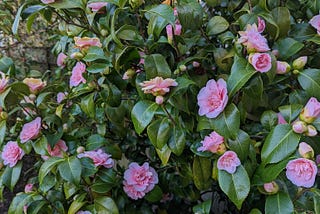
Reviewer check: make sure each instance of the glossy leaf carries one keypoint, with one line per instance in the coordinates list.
(156, 65)
(142, 114)
(11, 175)
(164, 11)
(87, 105)
(279, 203)
(216, 25)
(155, 195)
(177, 140)
(240, 144)
(201, 172)
(309, 80)
(290, 112)
(164, 154)
(3, 128)
(70, 170)
(288, 47)
(203, 208)
(282, 18)
(159, 132)
(105, 205)
(47, 166)
(269, 119)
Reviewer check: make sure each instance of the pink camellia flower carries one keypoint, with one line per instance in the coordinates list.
(260, 61)
(229, 162)
(282, 67)
(83, 212)
(35, 85)
(302, 172)
(253, 40)
(99, 158)
(96, 6)
(30, 130)
(169, 30)
(213, 143)
(213, 98)
(139, 180)
(60, 60)
(271, 187)
(281, 119)
(11, 153)
(47, 1)
(311, 111)
(178, 28)
(76, 75)
(57, 150)
(158, 86)
(61, 96)
(3, 82)
(305, 150)
(261, 25)
(86, 42)
(28, 188)
(315, 22)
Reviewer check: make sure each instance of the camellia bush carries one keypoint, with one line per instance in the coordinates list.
(167, 107)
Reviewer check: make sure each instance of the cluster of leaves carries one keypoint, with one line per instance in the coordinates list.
(114, 114)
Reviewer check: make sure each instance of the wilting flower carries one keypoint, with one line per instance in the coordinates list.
(28, 188)
(30, 130)
(47, 1)
(302, 172)
(139, 180)
(158, 86)
(57, 150)
(213, 98)
(11, 153)
(253, 40)
(229, 162)
(3, 82)
(311, 111)
(305, 150)
(213, 143)
(261, 25)
(76, 75)
(282, 67)
(99, 158)
(260, 61)
(86, 42)
(299, 63)
(60, 60)
(315, 22)
(271, 187)
(35, 85)
(96, 6)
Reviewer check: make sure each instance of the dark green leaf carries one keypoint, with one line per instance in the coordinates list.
(279, 204)
(17, 19)
(177, 140)
(11, 175)
(87, 105)
(216, 25)
(202, 172)
(164, 154)
(155, 195)
(288, 47)
(282, 18)
(3, 128)
(309, 80)
(105, 205)
(93, 54)
(159, 132)
(269, 119)
(156, 65)
(290, 112)
(47, 166)
(203, 208)
(142, 114)
(164, 11)
(70, 170)
(240, 144)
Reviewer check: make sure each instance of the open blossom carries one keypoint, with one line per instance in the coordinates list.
(3, 82)
(282, 67)
(76, 75)
(253, 40)
(35, 85)
(213, 143)
(261, 25)
(213, 98)
(315, 22)
(158, 86)
(11, 153)
(57, 150)
(139, 180)
(229, 162)
(302, 172)
(260, 61)
(96, 6)
(47, 1)
(311, 111)
(86, 42)
(60, 60)
(99, 158)
(30, 130)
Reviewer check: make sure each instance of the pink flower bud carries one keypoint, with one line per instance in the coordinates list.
(60, 60)
(159, 99)
(312, 131)
(261, 25)
(28, 188)
(76, 55)
(129, 74)
(195, 64)
(300, 62)
(96, 6)
(311, 111)
(275, 53)
(271, 187)
(282, 67)
(299, 127)
(47, 1)
(315, 22)
(305, 150)
(169, 33)
(177, 29)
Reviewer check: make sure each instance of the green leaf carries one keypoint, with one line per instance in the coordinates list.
(108, 176)
(48, 182)
(47, 166)
(17, 19)
(95, 141)
(240, 144)
(77, 203)
(3, 128)
(290, 112)
(105, 205)
(164, 154)
(155, 195)
(241, 72)
(279, 144)
(88, 167)
(226, 124)
(97, 68)
(87, 105)
(190, 10)
(202, 172)
(282, 18)
(309, 80)
(287, 47)
(101, 187)
(156, 25)
(164, 11)
(142, 114)
(156, 66)
(236, 186)
(70, 170)
(94, 53)
(255, 211)
(19, 202)
(159, 132)
(67, 4)
(40, 146)
(183, 84)
(11, 175)
(203, 208)
(269, 119)
(177, 140)
(279, 204)
(216, 25)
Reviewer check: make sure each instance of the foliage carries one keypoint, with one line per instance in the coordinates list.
(111, 110)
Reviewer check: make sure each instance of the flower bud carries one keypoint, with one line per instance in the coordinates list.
(305, 150)
(312, 131)
(65, 127)
(195, 64)
(76, 55)
(104, 32)
(222, 149)
(300, 62)
(32, 97)
(3, 116)
(182, 68)
(311, 110)
(169, 31)
(299, 127)
(282, 67)
(28, 188)
(159, 100)
(275, 53)
(271, 187)
(295, 71)
(129, 74)
(80, 149)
